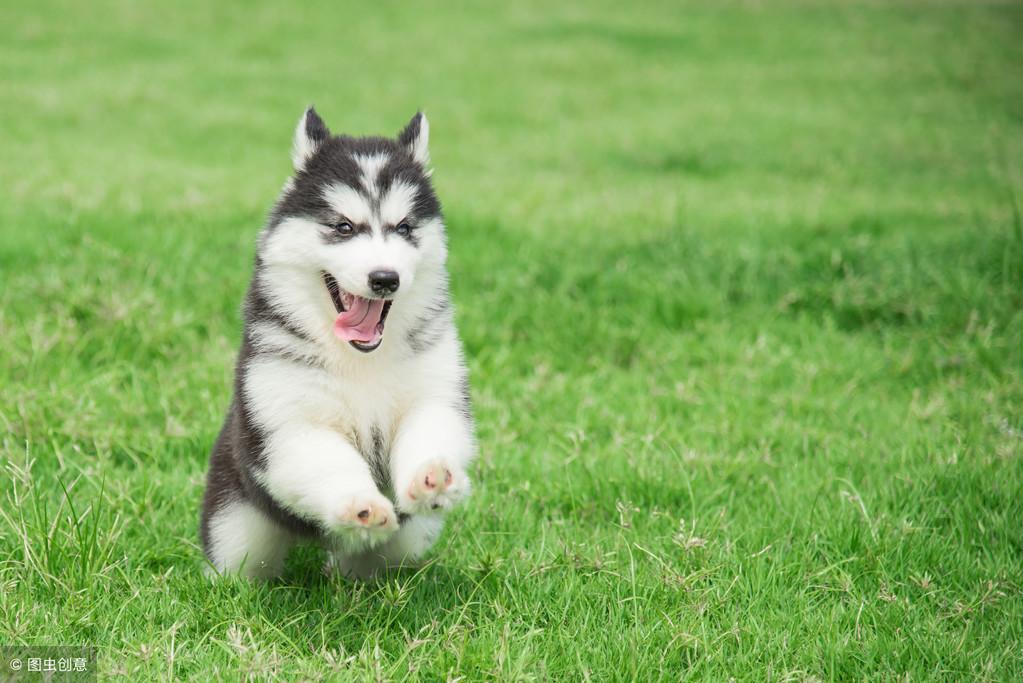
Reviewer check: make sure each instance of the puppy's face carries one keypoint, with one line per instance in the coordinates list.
(360, 220)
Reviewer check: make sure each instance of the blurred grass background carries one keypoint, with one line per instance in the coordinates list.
(741, 284)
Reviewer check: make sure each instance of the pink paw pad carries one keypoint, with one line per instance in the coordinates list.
(435, 486)
(369, 512)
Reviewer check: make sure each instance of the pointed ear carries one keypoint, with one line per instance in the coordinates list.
(310, 133)
(416, 139)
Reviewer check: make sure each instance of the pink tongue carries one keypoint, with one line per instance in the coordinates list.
(359, 323)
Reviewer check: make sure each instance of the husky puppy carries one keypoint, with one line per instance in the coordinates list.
(350, 421)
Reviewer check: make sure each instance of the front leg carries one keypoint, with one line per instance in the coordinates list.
(432, 449)
(317, 474)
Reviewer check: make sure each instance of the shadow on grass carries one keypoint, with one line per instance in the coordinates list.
(395, 605)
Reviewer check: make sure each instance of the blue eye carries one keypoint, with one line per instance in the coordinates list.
(404, 229)
(343, 228)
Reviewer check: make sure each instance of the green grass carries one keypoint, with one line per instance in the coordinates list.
(741, 285)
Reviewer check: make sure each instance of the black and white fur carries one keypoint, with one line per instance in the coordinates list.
(364, 451)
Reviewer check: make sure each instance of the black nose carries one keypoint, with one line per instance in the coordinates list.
(383, 281)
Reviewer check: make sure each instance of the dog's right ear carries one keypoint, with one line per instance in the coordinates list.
(309, 135)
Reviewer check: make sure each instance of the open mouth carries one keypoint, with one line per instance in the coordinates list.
(360, 321)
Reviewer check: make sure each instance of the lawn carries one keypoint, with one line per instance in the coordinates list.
(741, 286)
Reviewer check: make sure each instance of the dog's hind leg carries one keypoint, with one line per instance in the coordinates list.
(242, 540)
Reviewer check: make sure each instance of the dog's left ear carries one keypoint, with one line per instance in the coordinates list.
(310, 133)
(416, 139)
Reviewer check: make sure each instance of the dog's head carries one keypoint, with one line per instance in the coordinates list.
(356, 228)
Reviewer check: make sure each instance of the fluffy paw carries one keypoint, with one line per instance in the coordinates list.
(435, 486)
(365, 518)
